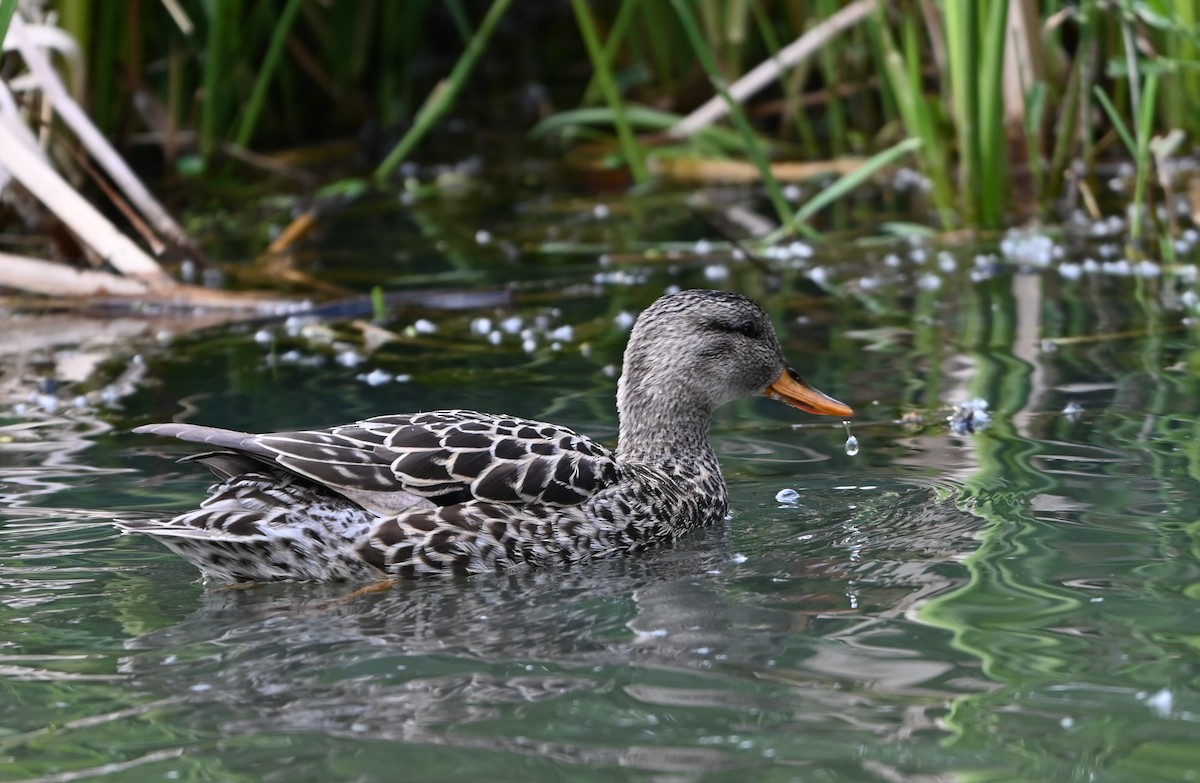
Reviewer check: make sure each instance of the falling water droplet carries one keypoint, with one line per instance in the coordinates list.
(851, 441)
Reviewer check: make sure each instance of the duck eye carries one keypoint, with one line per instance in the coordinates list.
(748, 328)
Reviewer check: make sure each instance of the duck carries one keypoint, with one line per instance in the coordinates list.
(446, 492)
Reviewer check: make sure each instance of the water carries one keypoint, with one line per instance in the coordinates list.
(1016, 603)
(851, 448)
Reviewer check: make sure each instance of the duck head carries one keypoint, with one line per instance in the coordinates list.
(693, 351)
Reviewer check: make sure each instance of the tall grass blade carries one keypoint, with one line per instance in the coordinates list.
(442, 97)
(791, 84)
(1185, 48)
(102, 71)
(1036, 102)
(1115, 118)
(265, 73)
(1065, 131)
(1145, 130)
(905, 80)
(616, 34)
(640, 117)
(215, 69)
(7, 9)
(991, 155)
(844, 185)
(600, 64)
(962, 48)
(754, 146)
(831, 70)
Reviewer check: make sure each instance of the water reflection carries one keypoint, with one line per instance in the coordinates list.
(1018, 603)
(506, 663)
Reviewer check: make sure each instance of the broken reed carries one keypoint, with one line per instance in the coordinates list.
(989, 110)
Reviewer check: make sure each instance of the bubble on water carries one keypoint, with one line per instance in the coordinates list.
(1073, 410)
(1119, 268)
(929, 282)
(1161, 703)
(375, 377)
(788, 497)
(1028, 249)
(1070, 271)
(1147, 269)
(716, 272)
(800, 250)
(564, 333)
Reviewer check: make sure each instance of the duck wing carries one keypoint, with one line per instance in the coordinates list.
(439, 458)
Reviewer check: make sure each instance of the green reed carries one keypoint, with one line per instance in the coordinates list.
(754, 148)
(440, 100)
(600, 63)
(266, 73)
(7, 9)
(903, 73)
(996, 136)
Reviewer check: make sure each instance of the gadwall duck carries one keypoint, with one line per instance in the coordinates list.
(460, 492)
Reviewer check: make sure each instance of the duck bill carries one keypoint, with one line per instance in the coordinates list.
(791, 389)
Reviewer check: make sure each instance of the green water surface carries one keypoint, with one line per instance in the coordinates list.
(1018, 604)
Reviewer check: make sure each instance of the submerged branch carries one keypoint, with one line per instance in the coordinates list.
(46, 277)
(38, 276)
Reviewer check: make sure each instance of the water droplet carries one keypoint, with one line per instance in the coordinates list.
(851, 440)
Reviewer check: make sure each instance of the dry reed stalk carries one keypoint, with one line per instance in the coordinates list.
(85, 221)
(92, 139)
(768, 71)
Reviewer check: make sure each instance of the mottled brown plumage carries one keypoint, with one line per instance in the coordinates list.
(464, 492)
